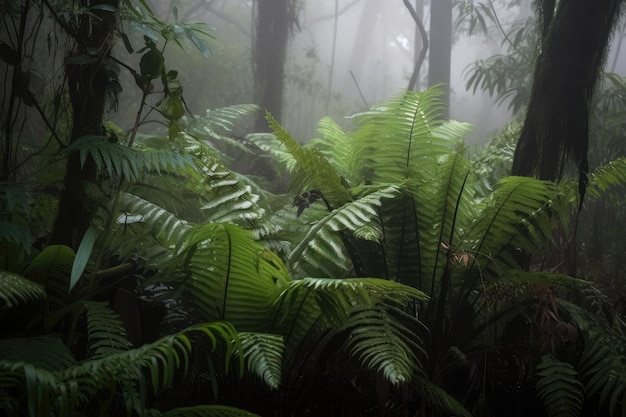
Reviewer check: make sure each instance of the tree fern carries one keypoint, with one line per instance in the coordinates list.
(558, 387)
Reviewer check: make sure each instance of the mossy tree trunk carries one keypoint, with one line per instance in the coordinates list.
(575, 39)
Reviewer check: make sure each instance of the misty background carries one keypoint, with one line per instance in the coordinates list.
(343, 56)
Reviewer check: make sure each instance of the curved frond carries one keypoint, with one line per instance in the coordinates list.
(604, 178)
(59, 390)
(305, 301)
(263, 353)
(321, 251)
(214, 123)
(335, 145)
(16, 289)
(228, 275)
(558, 387)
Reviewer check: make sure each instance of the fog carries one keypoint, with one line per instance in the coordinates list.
(339, 66)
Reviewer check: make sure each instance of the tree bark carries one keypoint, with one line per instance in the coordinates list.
(89, 87)
(575, 40)
(441, 48)
(273, 22)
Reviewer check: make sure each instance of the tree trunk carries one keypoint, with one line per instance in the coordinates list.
(575, 39)
(88, 84)
(273, 23)
(440, 48)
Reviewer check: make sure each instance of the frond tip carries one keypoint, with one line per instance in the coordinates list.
(559, 389)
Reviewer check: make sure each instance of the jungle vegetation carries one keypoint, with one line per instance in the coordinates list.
(400, 272)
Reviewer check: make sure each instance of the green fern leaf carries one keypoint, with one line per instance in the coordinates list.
(52, 269)
(105, 330)
(16, 289)
(43, 352)
(264, 355)
(319, 171)
(558, 387)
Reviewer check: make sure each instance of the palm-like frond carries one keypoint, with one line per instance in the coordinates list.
(214, 123)
(263, 353)
(334, 144)
(42, 352)
(16, 289)
(558, 387)
(610, 175)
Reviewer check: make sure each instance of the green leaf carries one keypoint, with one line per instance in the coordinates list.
(82, 255)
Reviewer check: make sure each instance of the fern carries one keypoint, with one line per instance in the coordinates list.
(384, 344)
(322, 250)
(322, 176)
(558, 387)
(69, 387)
(264, 356)
(119, 161)
(105, 331)
(52, 269)
(15, 290)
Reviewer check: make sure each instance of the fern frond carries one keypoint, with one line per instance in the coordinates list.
(16, 289)
(321, 174)
(383, 343)
(321, 251)
(604, 178)
(303, 302)
(263, 353)
(558, 387)
(397, 137)
(334, 144)
(218, 121)
(438, 398)
(228, 275)
(120, 161)
(42, 352)
(16, 234)
(208, 411)
(105, 330)
(520, 215)
(52, 269)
